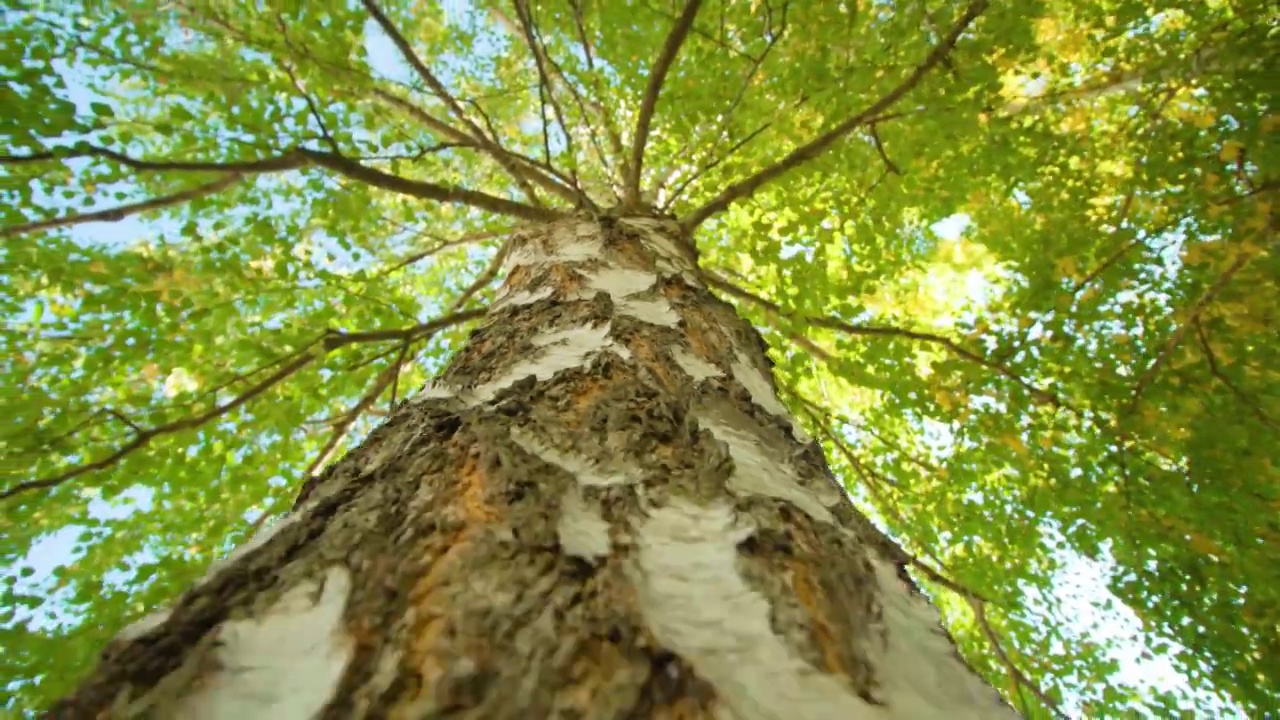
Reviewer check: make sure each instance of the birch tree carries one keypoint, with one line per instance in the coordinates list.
(638, 359)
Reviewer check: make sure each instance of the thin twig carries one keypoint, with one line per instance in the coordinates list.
(440, 246)
(146, 437)
(721, 132)
(287, 161)
(542, 61)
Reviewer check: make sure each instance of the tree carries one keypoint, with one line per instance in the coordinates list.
(318, 201)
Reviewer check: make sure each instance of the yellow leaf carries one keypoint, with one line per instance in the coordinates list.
(1067, 267)
(1270, 123)
(1260, 219)
(1204, 545)
(1210, 181)
(1230, 151)
(945, 399)
(150, 371)
(1014, 443)
(1194, 254)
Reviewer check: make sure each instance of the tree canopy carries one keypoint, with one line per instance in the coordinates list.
(1016, 264)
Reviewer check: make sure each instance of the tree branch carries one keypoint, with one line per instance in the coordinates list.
(426, 190)
(288, 161)
(529, 31)
(721, 132)
(328, 342)
(440, 246)
(238, 171)
(1175, 338)
(335, 339)
(882, 331)
(747, 187)
(142, 439)
(121, 212)
(649, 103)
(980, 613)
(1217, 373)
(521, 175)
(606, 117)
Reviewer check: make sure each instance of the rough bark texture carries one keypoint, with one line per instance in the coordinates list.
(600, 510)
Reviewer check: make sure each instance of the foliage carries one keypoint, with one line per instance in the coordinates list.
(229, 229)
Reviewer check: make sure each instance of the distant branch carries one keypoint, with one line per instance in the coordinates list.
(121, 212)
(551, 73)
(237, 171)
(721, 132)
(816, 413)
(711, 165)
(301, 358)
(747, 187)
(883, 331)
(1217, 373)
(980, 613)
(287, 161)
(335, 339)
(649, 102)
(879, 145)
(440, 246)
(606, 117)
(347, 419)
(426, 190)
(521, 174)
(142, 439)
(1175, 338)
(528, 31)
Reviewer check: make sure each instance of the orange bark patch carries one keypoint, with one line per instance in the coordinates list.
(631, 252)
(564, 279)
(584, 398)
(591, 674)
(647, 353)
(518, 278)
(683, 709)
(677, 291)
(430, 648)
(704, 342)
(472, 503)
(825, 635)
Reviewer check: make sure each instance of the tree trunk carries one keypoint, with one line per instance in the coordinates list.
(599, 510)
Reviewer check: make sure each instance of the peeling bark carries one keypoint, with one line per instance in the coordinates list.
(599, 510)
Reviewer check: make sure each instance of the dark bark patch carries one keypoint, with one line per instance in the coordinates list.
(673, 691)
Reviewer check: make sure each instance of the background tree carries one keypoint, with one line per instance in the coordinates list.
(1080, 362)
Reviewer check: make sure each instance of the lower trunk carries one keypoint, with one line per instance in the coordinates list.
(600, 510)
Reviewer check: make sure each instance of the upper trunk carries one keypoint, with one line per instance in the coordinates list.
(599, 510)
